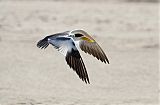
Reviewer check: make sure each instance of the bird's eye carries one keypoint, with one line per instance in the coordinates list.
(78, 35)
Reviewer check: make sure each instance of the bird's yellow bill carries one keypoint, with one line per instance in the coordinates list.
(87, 39)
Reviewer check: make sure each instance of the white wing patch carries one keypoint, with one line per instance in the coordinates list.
(63, 44)
(63, 50)
(77, 44)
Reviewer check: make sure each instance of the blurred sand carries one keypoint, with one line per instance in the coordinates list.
(128, 33)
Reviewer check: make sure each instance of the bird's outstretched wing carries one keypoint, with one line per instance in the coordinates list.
(74, 60)
(90, 46)
(67, 47)
(46, 41)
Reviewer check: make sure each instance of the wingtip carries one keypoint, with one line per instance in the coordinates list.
(42, 44)
(87, 81)
(108, 62)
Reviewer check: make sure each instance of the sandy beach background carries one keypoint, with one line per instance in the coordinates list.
(127, 31)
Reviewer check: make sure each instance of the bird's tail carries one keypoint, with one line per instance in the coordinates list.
(43, 43)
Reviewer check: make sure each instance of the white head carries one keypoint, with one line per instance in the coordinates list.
(80, 34)
(77, 33)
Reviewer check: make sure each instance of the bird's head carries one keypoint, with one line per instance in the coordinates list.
(80, 35)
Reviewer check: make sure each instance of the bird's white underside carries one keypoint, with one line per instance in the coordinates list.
(64, 46)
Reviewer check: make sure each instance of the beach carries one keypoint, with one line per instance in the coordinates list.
(127, 32)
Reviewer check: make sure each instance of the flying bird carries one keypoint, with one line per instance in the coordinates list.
(68, 43)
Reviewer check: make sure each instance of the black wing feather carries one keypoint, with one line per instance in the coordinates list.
(43, 43)
(75, 62)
